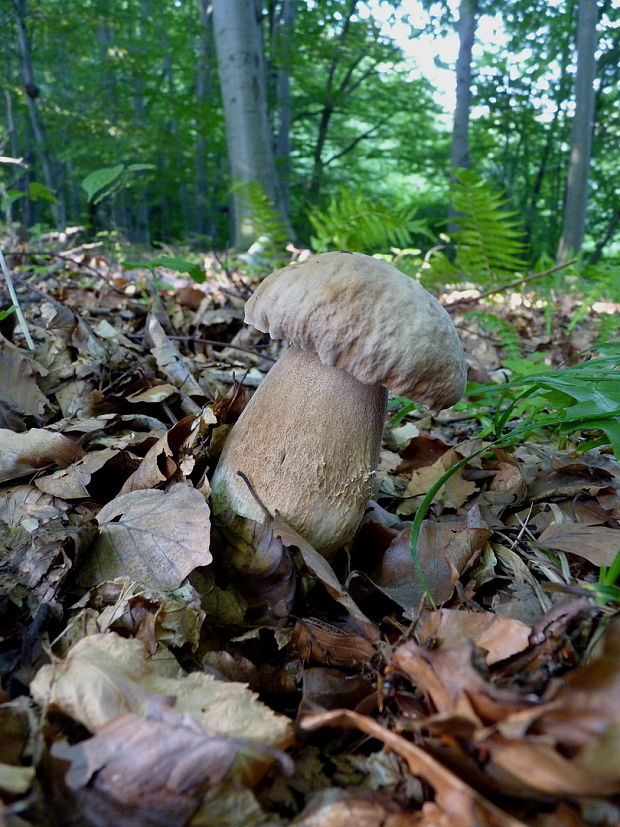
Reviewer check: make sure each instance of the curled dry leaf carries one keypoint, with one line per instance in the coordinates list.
(173, 365)
(444, 552)
(172, 456)
(104, 676)
(19, 391)
(456, 803)
(154, 537)
(319, 642)
(565, 746)
(595, 543)
(24, 452)
(320, 568)
(500, 636)
(453, 494)
(72, 483)
(155, 768)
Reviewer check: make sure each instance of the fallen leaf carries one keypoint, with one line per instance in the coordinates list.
(154, 537)
(19, 391)
(595, 543)
(322, 643)
(452, 495)
(104, 676)
(152, 769)
(501, 637)
(455, 800)
(444, 551)
(22, 453)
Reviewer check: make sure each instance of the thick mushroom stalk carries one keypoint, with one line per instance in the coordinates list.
(308, 442)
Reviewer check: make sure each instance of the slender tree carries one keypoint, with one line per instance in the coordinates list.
(20, 8)
(241, 65)
(459, 147)
(576, 198)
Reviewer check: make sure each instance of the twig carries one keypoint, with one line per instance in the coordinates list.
(215, 343)
(22, 319)
(65, 256)
(503, 287)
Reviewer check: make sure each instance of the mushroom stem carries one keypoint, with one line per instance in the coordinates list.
(309, 443)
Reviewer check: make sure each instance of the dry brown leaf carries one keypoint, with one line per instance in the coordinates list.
(320, 568)
(25, 505)
(595, 543)
(453, 686)
(72, 482)
(24, 452)
(458, 803)
(501, 637)
(172, 456)
(19, 392)
(154, 769)
(173, 365)
(453, 494)
(444, 552)
(322, 643)
(154, 537)
(104, 676)
(341, 808)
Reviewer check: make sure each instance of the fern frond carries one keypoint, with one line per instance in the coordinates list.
(490, 237)
(352, 222)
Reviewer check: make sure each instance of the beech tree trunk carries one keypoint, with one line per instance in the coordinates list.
(459, 150)
(284, 110)
(31, 89)
(241, 64)
(576, 197)
(204, 89)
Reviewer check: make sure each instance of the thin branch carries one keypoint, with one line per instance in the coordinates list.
(18, 311)
(503, 287)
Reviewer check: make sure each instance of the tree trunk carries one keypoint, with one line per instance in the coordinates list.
(32, 92)
(459, 151)
(204, 216)
(283, 95)
(328, 108)
(576, 198)
(241, 64)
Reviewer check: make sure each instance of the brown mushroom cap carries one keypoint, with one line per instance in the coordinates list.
(365, 317)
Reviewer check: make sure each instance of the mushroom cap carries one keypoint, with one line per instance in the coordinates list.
(364, 316)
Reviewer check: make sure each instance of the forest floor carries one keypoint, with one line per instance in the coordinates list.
(144, 683)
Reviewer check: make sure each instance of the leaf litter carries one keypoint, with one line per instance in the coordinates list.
(146, 681)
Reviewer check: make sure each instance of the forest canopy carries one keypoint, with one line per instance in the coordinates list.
(113, 118)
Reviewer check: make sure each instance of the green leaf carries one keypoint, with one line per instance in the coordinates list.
(7, 312)
(100, 179)
(10, 198)
(39, 192)
(140, 167)
(180, 265)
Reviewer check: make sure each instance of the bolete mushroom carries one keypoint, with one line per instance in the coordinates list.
(309, 439)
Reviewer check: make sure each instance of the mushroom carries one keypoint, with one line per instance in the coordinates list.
(308, 442)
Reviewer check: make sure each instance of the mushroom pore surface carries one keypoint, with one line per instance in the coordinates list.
(308, 441)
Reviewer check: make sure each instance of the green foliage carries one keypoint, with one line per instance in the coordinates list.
(489, 239)
(7, 312)
(350, 221)
(606, 589)
(608, 328)
(107, 181)
(583, 397)
(271, 236)
(180, 265)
